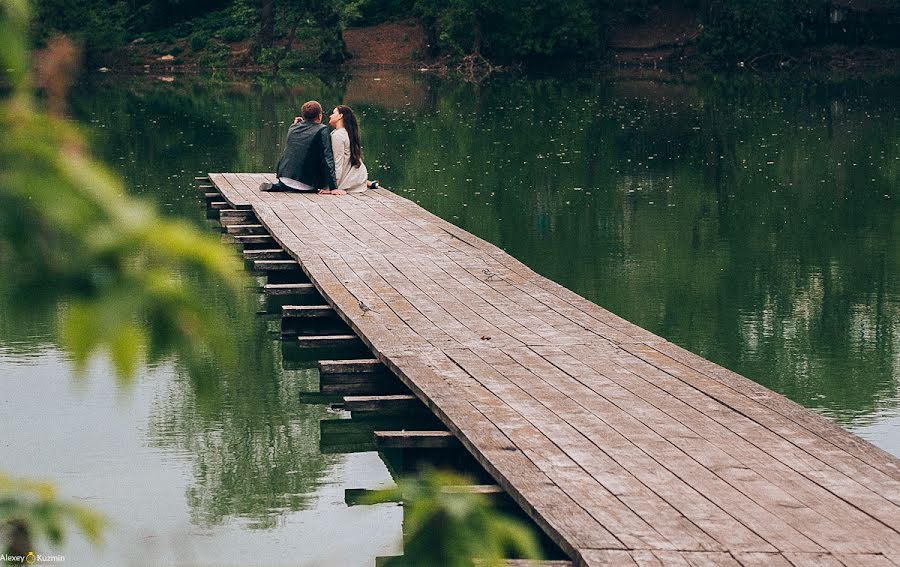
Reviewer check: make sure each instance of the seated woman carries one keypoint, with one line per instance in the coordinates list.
(349, 169)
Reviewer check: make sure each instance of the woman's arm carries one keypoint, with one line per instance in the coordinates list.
(339, 146)
(328, 160)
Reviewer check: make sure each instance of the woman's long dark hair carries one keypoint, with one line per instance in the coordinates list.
(352, 128)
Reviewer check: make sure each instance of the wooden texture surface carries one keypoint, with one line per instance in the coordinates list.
(624, 448)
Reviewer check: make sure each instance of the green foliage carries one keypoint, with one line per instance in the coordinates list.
(512, 30)
(113, 263)
(452, 528)
(95, 24)
(299, 59)
(373, 12)
(234, 34)
(128, 282)
(738, 29)
(215, 56)
(34, 508)
(198, 40)
(236, 21)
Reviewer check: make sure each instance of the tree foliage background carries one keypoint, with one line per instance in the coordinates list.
(505, 31)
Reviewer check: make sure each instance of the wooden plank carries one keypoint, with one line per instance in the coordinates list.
(245, 229)
(415, 440)
(567, 441)
(265, 254)
(356, 366)
(358, 377)
(352, 435)
(620, 446)
(793, 459)
(284, 289)
(762, 560)
(828, 441)
(253, 239)
(232, 195)
(307, 311)
(714, 458)
(362, 387)
(328, 341)
(396, 404)
(236, 216)
(275, 265)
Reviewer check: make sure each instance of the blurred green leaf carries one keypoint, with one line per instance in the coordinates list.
(452, 528)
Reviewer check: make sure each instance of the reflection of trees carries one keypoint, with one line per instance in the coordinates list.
(732, 221)
(160, 135)
(794, 288)
(26, 327)
(254, 449)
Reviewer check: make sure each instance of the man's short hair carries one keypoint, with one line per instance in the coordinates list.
(311, 110)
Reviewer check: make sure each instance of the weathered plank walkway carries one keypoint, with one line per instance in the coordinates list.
(623, 447)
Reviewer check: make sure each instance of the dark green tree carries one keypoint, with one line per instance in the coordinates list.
(738, 29)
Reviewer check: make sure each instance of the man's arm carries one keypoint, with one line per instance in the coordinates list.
(284, 149)
(327, 157)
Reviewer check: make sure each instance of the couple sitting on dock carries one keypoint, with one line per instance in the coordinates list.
(313, 162)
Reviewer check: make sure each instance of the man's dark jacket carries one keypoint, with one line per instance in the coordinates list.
(307, 156)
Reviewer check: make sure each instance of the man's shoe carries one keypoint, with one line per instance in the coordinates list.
(272, 187)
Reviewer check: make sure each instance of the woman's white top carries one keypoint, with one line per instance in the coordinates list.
(350, 179)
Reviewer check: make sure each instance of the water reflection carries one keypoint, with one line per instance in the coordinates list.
(255, 451)
(751, 220)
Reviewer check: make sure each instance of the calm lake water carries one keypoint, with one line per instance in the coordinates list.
(754, 221)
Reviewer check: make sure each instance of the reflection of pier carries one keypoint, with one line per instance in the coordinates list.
(622, 447)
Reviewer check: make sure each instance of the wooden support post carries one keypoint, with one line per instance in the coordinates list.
(328, 341)
(358, 377)
(275, 265)
(356, 366)
(202, 178)
(254, 239)
(353, 435)
(212, 196)
(307, 311)
(415, 440)
(229, 216)
(292, 327)
(265, 254)
(246, 229)
(218, 205)
(394, 404)
(289, 289)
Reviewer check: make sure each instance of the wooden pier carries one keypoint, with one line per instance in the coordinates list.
(624, 448)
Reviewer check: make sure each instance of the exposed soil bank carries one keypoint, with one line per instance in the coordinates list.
(666, 39)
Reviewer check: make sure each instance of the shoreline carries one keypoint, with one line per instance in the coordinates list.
(823, 62)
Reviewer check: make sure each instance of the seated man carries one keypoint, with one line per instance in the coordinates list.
(307, 163)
